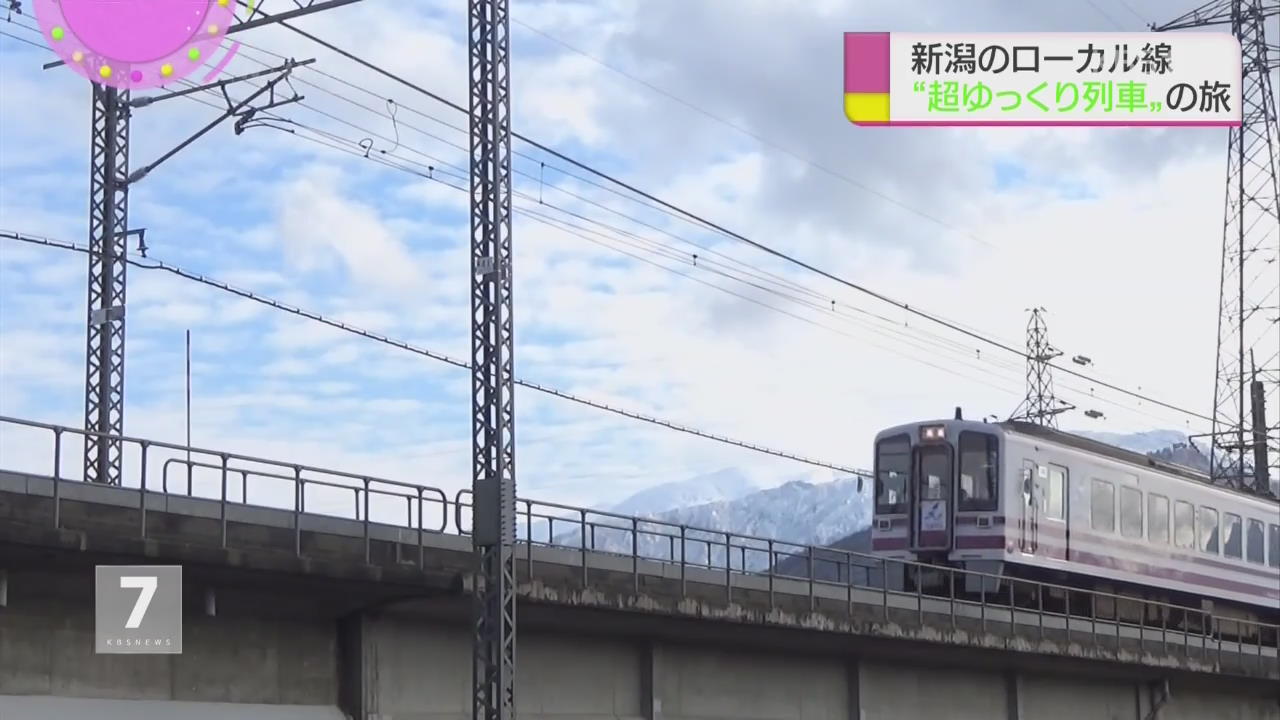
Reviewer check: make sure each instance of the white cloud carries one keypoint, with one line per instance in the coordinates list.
(1129, 273)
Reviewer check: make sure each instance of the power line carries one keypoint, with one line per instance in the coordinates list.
(1132, 12)
(1105, 14)
(577, 231)
(434, 174)
(359, 150)
(741, 238)
(701, 222)
(678, 215)
(378, 337)
(755, 136)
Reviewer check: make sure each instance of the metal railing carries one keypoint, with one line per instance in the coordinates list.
(829, 576)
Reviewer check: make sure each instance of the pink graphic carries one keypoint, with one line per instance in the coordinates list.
(136, 44)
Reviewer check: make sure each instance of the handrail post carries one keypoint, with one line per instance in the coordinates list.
(1066, 613)
(635, 555)
(1142, 628)
(582, 538)
(728, 568)
(951, 595)
(920, 596)
(772, 562)
(683, 588)
(1218, 634)
(812, 578)
(142, 493)
(1164, 625)
(1012, 609)
(1206, 627)
(422, 563)
(1115, 603)
(848, 592)
(223, 502)
(298, 498)
(528, 534)
(1040, 608)
(57, 478)
(884, 587)
(366, 520)
(1093, 617)
(983, 609)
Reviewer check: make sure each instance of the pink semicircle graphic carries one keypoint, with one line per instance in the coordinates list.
(134, 44)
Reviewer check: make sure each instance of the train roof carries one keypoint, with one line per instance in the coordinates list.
(1118, 453)
(1096, 447)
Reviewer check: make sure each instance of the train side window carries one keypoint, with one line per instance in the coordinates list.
(1056, 493)
(1232, 536)
(1103, 506)
(1158, 519)
(1184, 525)
(1255, 539)
(1130, 512)
(979, 468)
(1273, 546)
(1208, 530)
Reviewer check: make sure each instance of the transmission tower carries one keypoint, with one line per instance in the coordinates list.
(109, 182)
(492, 372)
(1040, 406)
(108, 224)
(1249, 294)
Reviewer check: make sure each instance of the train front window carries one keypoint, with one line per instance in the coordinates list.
(978, 471)
(893, 467)
(935, 471)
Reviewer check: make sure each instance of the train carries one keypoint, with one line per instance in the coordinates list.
(1016, 500)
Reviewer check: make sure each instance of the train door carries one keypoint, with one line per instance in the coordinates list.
(1029, 522)
(934, 480)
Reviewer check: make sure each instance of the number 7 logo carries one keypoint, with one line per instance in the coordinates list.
(147, 584)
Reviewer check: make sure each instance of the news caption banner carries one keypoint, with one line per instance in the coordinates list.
(138, 609)
(1042, 79)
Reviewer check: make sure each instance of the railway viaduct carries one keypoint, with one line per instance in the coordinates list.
(320, 594)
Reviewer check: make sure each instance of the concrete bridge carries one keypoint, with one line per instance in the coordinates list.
(312, 593)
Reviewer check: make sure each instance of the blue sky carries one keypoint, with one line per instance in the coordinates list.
(982, 225)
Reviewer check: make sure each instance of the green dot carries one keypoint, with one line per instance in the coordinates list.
(58, 33)
(194, 53)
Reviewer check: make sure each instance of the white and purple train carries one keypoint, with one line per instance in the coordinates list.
(1019, 500)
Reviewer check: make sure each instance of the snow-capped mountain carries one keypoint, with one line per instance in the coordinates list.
(796, 512)
(719, 486)
(1143, 442)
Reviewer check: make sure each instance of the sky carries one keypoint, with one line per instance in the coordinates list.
(730, 111)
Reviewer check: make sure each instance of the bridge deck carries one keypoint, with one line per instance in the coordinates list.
(39, 510)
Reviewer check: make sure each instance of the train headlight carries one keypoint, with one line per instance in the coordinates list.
(932, 433)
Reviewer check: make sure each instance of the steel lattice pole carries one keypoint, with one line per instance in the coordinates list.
(108, 223)
(492, 373)
(1248, 302)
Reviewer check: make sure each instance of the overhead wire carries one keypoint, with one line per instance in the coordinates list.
(153, 264)
(431, 171)
(348, 146)
(351, 148)
(461, 178)
(679, 212)
(930, 316)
